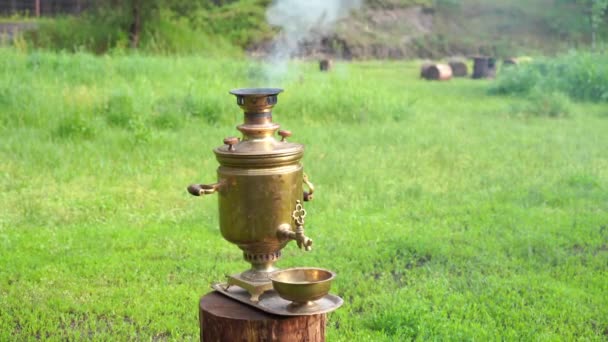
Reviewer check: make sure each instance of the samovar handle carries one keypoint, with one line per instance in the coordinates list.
(203, 189)
(311, 189)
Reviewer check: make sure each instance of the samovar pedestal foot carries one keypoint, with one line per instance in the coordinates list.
(255, 289)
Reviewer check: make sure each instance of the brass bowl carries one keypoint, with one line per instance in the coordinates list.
(302, 285)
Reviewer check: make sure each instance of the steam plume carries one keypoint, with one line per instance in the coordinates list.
(301, 21)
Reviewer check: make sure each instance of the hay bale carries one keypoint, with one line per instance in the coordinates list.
(516, 61)
(459, 68)
(524, 59)
(325, 64)
(438, 72)
(510, 61)
(424, 68)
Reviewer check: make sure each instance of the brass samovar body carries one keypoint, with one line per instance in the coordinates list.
(260, 190)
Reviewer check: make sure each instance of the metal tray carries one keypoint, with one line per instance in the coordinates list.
(271, 302)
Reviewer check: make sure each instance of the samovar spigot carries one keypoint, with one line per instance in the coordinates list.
(286, 232)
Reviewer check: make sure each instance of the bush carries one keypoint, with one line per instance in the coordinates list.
(516, 80)
(243, 23)
(171, 34)
(89, 32)
(581, 76)
(538, 103)
(554, 104)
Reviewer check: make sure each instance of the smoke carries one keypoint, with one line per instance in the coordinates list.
(301, 21)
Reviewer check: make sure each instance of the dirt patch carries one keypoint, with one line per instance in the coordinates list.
(398, 264)
(372, 33)
(8, 30)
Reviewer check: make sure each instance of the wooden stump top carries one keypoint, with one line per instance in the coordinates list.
(225, 319)
(222, 306)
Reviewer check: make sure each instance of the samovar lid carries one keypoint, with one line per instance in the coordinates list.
(258, 145)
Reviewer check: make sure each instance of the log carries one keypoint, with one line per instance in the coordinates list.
(424, 68)
(459, 68)
(225, 319)
(439, 72)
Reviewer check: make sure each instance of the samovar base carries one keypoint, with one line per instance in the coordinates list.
(255, 288)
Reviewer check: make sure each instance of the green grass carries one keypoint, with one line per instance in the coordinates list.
(446, 214)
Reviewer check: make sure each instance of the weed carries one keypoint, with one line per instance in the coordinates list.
(140, 131)
(119, 110)
(75, 126)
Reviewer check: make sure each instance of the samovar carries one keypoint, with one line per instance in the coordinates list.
(260, 184)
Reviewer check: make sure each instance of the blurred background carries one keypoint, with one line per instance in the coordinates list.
(458, 151)
(392, 29)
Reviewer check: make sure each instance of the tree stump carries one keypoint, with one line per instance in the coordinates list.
(484, 67)
(225, 319)
(459, 68)
(325, 64)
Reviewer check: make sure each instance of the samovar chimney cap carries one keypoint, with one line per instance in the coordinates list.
(256, 92)
(256, 102)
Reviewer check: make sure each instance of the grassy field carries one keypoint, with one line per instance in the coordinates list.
(448, 213)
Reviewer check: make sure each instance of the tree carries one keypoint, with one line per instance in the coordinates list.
(585, 16)
(138, 13)
(597, 8)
